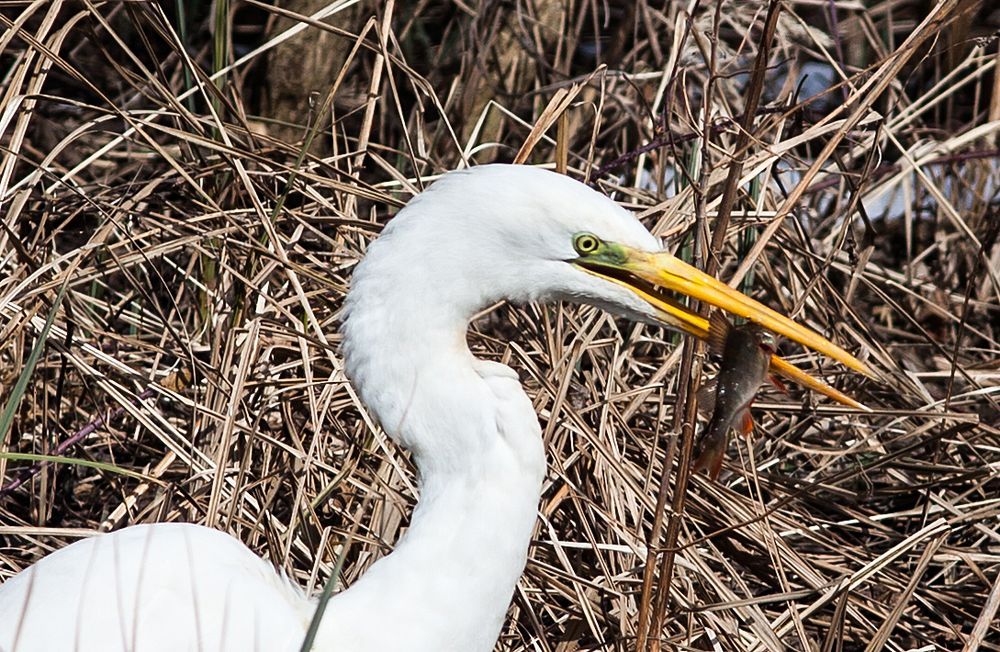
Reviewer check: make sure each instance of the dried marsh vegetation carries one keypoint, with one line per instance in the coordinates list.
(177, 242)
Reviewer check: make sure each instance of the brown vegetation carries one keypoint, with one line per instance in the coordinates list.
(173, 263)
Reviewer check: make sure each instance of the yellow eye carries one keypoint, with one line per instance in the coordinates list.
(586, 243)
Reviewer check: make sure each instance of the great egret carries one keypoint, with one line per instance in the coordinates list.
(475, 237)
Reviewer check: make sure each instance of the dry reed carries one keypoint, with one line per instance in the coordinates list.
(173, 262)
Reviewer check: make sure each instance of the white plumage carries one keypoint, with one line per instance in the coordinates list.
(169, 586)
(475, 237)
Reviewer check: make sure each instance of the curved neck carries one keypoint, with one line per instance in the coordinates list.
(477, 445)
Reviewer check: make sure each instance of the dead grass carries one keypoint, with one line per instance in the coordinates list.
(170, 268)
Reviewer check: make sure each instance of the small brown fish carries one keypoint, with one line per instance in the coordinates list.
(746, 353)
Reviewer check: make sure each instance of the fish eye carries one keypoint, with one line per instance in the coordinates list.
(586, 243)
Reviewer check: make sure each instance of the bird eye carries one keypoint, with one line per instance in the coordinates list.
(586, 243)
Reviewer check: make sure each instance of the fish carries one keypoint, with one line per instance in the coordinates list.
(746, 352)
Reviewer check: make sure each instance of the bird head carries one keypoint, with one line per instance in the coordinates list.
(526, 234)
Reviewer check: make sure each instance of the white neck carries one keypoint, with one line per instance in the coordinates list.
(477, 445)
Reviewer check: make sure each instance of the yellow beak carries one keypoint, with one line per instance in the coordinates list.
(651, 275)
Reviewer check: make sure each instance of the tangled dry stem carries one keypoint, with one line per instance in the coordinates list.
(169, 258)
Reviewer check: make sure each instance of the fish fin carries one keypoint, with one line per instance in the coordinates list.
(779, 385)
(746, 425)
(706, 396)
(718, 331)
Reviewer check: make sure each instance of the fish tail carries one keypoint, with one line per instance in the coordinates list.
(716, 467)
(710, 459)
(710, 448)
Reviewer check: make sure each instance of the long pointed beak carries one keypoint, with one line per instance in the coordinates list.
(652, 275)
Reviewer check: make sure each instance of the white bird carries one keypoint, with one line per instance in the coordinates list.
(473, 238)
